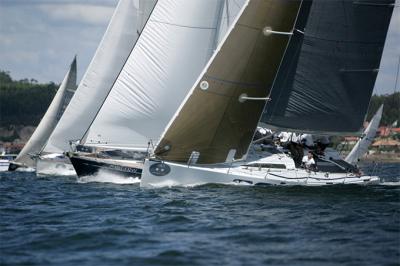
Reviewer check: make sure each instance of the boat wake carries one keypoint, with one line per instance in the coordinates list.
(102, 177)
(394, 183)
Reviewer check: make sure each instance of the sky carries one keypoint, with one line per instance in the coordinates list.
(39, 38)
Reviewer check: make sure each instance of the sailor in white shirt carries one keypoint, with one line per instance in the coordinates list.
(308, 161)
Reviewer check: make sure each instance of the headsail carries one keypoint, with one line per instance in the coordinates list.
(49, 121)
(222, 110)
(178, 40)
(117, 43)
(361, 147)
(328, 73)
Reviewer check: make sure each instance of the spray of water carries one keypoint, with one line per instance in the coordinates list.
(104, 177)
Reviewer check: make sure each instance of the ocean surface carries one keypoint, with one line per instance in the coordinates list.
(110, 221)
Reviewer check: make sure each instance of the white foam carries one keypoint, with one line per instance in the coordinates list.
(102, 177)
(396, 183)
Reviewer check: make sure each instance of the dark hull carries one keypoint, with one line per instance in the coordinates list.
(12, 166)
(87, 167)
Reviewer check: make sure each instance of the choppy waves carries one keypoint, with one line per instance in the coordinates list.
(104, 221)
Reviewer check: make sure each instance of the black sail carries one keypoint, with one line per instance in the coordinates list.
(328, 73)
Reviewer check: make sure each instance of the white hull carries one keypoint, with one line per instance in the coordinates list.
(62, 167)
(184, 175)
(4, 165)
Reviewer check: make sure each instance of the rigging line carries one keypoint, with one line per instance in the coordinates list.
(397, 76)
(183, 26)
(238, 83)
(116, 78)
(237, 5)
(227, 13)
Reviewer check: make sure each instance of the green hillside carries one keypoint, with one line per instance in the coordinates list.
(391, 109)
(23, 102)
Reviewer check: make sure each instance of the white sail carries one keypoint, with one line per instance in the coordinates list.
(49, 121)
(361, 147)
(116, 45)
(175, 45)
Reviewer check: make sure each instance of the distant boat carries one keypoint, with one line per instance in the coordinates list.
(366, 139)
(320, 88)
(27, 158)
(5, 160)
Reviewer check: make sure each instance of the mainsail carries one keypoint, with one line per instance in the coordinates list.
(220, 114)
(361, 147)
(328, 73)
(117, 43)
(176, 43)
(49, 121)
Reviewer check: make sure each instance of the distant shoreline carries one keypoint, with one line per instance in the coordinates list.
(383, 157)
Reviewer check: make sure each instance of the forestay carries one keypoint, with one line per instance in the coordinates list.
(221, 112)
(176, 43)
(49, 121)
(111, 55)
(328, 73)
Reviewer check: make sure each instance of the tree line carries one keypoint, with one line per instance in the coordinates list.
(24, 102)
(391, 108)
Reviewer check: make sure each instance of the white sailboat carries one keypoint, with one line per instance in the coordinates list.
(176, 43)
(117, 43)
(361, 147)
(26, 159)
(208, 139)
(5, 160)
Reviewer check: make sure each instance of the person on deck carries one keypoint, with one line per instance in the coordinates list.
(308, 161)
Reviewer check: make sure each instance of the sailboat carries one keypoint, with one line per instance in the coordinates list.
(26, 159)
(117, 43)
(361, 147)
(323, 85)
(174, 46)
(5, 160)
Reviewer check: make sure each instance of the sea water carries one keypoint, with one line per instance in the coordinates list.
(107, 221)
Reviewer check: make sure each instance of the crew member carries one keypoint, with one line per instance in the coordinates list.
(308, 161)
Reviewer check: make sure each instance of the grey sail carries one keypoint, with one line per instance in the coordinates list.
(218, 116)
(49, 121)
(328, 73)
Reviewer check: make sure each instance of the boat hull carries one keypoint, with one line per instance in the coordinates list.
(87, 166)
(19, 168)
(184, 175)
(4, 164)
